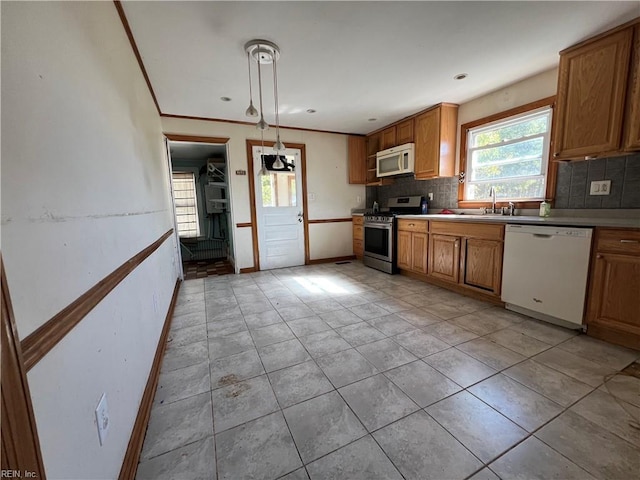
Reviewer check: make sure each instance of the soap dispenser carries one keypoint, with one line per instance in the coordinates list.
(375, 207)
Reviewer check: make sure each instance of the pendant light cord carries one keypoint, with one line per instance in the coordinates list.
(260, 84)
(250, 87)
(275, 96)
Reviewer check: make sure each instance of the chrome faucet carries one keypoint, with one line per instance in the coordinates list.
(492, 194)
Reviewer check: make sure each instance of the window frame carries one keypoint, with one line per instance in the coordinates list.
(195, 199)
(552, 166)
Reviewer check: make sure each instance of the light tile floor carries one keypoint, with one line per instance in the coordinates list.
(343, 372)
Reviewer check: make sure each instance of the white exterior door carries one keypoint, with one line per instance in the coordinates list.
(279, 212)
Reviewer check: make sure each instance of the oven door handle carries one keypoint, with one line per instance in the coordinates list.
(381, 226)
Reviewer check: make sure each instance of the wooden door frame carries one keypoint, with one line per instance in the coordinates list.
(252, 199)
(20, 443)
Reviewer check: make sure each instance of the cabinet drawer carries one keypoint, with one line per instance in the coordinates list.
(407, 225)
(357, 219)
(358, 232)
(489, 231)
(618, 241)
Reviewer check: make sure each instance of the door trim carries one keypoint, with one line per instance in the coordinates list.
(252, 199)
(20, 443)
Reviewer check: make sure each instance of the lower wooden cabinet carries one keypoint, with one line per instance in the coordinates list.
(613, 308)
(467, 254)
(412, 246)
(444, 257)
(482, 264)
(358, 235)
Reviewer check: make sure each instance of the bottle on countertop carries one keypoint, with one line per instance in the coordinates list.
(423, 206)
(376, 209)
(545, 209)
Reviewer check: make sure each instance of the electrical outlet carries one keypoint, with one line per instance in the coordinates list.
(102, 418)
(601, 187)
(358, 199)
(430, 195)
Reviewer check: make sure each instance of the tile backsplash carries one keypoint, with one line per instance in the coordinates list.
(574, 181)
(572, 188)
(445, 191)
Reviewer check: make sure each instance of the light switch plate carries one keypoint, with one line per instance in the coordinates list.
(600, 187)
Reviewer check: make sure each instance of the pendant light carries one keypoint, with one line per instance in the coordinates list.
(251, 110)
(278, 146)
(264, 52)
(263, 172)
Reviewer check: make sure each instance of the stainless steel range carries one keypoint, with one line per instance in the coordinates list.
(380, 233)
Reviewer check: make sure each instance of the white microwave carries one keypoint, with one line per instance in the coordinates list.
(395, 161)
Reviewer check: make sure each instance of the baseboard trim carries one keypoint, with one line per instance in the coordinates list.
(316, 261)
(134, 448)
(248, 270)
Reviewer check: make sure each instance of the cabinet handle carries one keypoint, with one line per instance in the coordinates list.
(628, 241)
(412, 224)
(556, 154)
(598, 256)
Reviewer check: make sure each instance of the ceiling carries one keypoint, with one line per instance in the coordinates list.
(352, 61)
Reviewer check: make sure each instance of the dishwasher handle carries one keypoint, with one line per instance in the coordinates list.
(542, 235)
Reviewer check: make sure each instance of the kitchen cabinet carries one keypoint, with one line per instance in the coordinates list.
(388, 138)
(632, 133)
(357, 159)
(358, 235)
(613, 308)
(373, 146)
(444, 257)
(404, 132)
(592, 96)
(483, 264)
(412, 246)
(435, 142)
(468, 254)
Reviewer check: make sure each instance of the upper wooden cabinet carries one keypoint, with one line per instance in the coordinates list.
(632, 132)
(357, 159)
(594, 96)
(435, 142)
(404, 132)
(388, 138)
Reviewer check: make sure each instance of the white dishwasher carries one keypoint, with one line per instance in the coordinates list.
(544, 273)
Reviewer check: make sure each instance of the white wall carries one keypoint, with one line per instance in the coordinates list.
(327, 180)
(84, 188)
(526, 91)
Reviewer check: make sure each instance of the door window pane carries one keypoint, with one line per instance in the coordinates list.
(279, 189)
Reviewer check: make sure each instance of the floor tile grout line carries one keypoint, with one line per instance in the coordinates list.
(498, 371)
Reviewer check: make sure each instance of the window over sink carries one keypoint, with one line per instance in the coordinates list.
(509, 152)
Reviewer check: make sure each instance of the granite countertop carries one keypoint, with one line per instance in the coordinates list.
(532, 220)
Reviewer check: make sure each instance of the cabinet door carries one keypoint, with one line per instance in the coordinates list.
(357, 159)
(419, 246)
(483, 264)
(404, 132)
(592, 84)
(374, 144)
(613, 312)
(427, 150)
(404, 250)
(632, 134)
(389, 138)
(444, 257)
